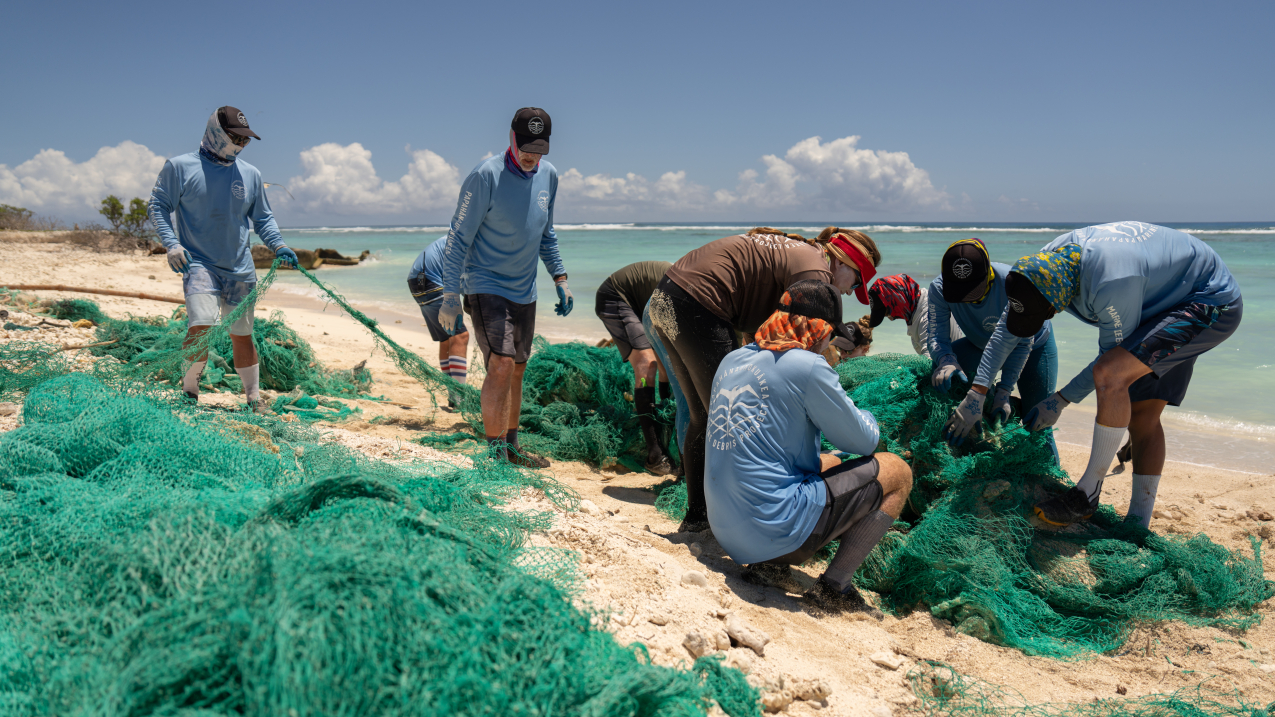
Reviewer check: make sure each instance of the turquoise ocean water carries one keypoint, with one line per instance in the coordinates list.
(1231, 393)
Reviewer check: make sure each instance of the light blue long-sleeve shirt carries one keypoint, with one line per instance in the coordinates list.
(216, 206)
(1132, 271)
(1002, 351)
(430, 262)
(761, 477)
(502, 223)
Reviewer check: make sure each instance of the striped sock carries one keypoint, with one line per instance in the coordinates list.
(445, 365)
(459, 368)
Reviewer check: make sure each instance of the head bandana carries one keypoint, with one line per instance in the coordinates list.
(1055, 273)
(898, 294)
(854, 255)
(216, 145)
(991, 273)
(783, 331)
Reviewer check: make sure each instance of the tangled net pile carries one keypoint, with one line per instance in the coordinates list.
(971, 555)
(166, 559)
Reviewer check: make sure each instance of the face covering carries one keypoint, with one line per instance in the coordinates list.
(216, 145)
(1055, 273)
(511, 159)
(784, 331)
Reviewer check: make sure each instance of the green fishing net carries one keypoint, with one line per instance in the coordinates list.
(968, 552)
(204, 562)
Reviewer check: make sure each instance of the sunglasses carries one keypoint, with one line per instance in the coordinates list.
(239, 141)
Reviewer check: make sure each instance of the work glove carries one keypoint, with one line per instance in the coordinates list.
(943, 372)
(1001, 410)
(449, 314)
(964, 417)
(178, 260)
(288, 256)
(565, 300)
(1045, 414)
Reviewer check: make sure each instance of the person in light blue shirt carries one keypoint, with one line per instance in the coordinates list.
(773, 500)
(970, 291)
(503, 222)
(203, 206)
(425, 281)
(1159, 298)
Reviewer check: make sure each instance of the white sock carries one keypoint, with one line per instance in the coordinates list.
(445, 365)
(1143, 500)
(459, 368)
(190, 382)
(1106, 443)
(251, 377)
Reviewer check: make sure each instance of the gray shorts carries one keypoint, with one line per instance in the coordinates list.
(1170, 343)
(502, 327)
(430, 298)
(210, 298)
(622, 322)
(852, 493)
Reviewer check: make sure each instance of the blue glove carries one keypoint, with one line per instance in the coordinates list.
(178, 260)
(449, 314)
(565, 300)
(1045, 414)
(1001, 409)
(943, 372)
(289, 257)
(964, 417)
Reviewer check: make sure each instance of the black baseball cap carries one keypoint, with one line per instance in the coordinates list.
(1028, 308)
(817, 300)
(877, 310)
(232, 121)
(966, 267)
(532, 128)
(850, 344)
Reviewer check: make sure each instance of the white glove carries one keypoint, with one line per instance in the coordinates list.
(178, 260)
(1045, 414)
(1001, 410)
(449, 314)
(964, 417)
(943, 372)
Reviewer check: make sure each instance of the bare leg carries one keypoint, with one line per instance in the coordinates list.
(245, 352)
(896, 483)
(515, 397)
(1148, 437)
(1114, 373)
(496, 395)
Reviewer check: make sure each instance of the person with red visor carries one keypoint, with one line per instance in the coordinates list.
(899, 297)
(971, 290)
(730, 287)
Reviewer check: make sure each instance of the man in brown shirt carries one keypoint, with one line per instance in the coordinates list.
(734, 284)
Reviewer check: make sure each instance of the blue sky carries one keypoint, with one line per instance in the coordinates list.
(963, 111)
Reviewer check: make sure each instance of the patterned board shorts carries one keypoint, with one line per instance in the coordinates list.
(1170, 343)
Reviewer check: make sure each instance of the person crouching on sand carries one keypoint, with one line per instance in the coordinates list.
(425, 281)
(216, 197)
(773, 500)
(1160, 298)
(503, 222)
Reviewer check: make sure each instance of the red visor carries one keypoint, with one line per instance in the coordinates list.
(866, 270)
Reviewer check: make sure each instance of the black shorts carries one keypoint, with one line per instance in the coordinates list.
(622, 322)
(502, 327)
(852, 494)
(429, 296)
(1170, 343)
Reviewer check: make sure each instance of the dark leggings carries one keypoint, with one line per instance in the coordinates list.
(702, 340)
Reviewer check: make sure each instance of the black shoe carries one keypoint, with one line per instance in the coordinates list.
(693, 526)
(523, 459)
(191, 397)
(770, 575)
(1063, 510)
(827, 597)
(661, 467)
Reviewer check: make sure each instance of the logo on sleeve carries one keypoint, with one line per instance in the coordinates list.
(962, 268)
(1016, 305)
(237, 189)
(543, 200)
(535, 125)
(989, 324)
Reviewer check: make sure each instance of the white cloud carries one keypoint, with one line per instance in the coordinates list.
(342, 181)
(50, 183)
(811, 176)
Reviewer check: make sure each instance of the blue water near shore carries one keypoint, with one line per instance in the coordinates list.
(1231, 393)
